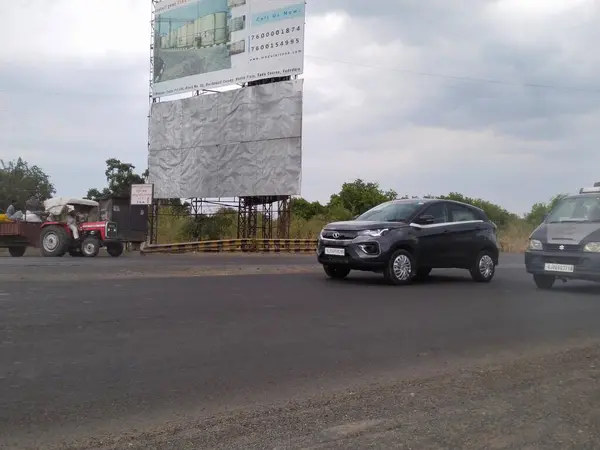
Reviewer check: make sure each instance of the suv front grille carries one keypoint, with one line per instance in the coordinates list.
(341, 235)
(574, 260)
(566, 247)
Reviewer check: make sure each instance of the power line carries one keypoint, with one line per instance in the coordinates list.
(356, 64)
(458, 78)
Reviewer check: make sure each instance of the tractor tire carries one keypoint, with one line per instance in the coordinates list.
(90, 247)
(16, 252)
(115, 250)
(54, 241)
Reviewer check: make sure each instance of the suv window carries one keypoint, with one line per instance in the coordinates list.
(439, 213)
(459, 213)
(391, 211)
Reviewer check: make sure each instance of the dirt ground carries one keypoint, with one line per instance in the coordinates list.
(540, 400)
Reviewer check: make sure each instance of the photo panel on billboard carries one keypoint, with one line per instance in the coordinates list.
(204, 44)
(246, 142)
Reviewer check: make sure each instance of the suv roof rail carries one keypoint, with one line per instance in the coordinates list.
(590, 190)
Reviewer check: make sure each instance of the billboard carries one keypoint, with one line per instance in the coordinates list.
(243, 142)
(204, 44)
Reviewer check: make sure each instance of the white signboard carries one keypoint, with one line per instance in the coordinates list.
(204, 44)
(142, 194)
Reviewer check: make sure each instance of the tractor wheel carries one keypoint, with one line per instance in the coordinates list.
(16, 252)
(90, 247)
(115, 250)
(54, 241)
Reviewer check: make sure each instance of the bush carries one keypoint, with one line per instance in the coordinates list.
(308, 218)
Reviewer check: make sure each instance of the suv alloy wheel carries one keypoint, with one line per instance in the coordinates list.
(400, 269)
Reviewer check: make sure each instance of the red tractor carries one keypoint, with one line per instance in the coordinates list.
(65, 226)
(73, 226)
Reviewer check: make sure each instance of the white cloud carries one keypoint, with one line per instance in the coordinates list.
(380, 100)
(84, 30)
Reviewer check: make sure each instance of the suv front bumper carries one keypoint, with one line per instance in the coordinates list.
(362, 253)
(586, 266)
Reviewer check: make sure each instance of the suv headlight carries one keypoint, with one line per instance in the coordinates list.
(373, 233)
(535, 244)
(593, 247)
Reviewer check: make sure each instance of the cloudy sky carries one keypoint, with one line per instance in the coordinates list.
(422, 96)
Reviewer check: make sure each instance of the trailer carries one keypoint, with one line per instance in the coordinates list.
(131, 220)
(17, 236)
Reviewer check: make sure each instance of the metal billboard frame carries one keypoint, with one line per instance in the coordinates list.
(249, 208)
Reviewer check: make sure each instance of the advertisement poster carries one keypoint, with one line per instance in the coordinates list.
(204, 44)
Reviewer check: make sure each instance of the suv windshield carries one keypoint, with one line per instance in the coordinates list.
(391, 212)
(576, 209)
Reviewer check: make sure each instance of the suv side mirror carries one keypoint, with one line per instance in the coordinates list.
(426, 219)
(355, 217)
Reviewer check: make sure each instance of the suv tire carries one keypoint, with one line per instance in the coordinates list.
(484, 268)
(336, 272)
(400, 269)
(544, 281)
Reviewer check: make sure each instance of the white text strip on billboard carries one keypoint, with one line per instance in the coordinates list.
(204, 44)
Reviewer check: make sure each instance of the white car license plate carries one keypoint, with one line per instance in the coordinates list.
(559, 267)
(335, 251)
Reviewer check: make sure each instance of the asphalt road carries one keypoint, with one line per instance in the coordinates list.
(106, 356)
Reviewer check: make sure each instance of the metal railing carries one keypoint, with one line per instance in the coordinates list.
(236, 245)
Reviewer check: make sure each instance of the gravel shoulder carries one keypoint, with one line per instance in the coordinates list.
(542, 398)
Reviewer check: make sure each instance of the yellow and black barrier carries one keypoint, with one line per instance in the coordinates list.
(236, 245)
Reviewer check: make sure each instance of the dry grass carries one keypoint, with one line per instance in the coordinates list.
(513, 238)
(170, 228)
(307, 229)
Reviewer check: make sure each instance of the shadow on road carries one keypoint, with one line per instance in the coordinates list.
(378, 280)
(588, 288)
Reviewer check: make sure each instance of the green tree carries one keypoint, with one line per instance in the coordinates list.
(119, 176)
(358, 197)
(306, 210)
(21, 182)
(95, 194)
(539, 210)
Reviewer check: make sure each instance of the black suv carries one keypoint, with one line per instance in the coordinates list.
(405, 239)
(566, 246)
